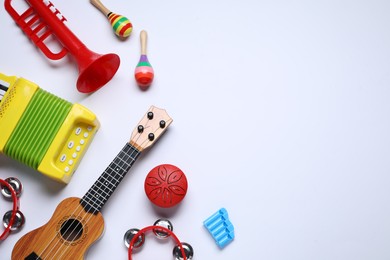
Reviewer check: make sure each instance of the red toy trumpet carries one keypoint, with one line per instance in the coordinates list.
(41, 20)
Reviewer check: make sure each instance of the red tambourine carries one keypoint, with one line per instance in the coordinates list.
(13, 219)
(160, 229)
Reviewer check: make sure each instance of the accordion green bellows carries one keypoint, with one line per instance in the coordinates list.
(43, 131)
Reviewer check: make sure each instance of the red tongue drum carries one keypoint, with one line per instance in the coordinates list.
(144, 72)
(42, 20)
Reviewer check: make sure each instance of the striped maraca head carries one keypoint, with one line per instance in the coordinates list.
(144, 72)
(120, 24)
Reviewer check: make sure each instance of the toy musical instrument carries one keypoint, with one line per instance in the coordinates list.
(43, 131)
(13, 220)
(77, 223)
(166, 185)
(162, 229)
(144, 72)
(42, 20)
(121, 25)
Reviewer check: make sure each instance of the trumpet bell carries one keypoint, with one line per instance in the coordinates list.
(95, 70)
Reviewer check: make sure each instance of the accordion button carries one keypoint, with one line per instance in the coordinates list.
(70, 144)
(63, 158)
(78, 130)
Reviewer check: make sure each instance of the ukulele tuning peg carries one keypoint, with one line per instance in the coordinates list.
(16, 186)
(150, 115)
(18, 221)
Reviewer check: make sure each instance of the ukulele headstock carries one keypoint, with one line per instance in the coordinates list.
(150, 128)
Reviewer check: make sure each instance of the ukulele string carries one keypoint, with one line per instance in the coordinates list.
(58, 234)
(74, 219)
(76, 226)
(91, 215)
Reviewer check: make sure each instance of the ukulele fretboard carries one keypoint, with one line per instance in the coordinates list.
(105, 185)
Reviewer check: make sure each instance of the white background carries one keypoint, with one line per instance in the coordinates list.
(280, 115)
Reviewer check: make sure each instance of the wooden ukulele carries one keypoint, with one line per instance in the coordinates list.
(77, 223)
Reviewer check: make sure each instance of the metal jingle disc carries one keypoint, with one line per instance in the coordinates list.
(129, 236)
(18, 221)
(188, 250)
(162, 223)
(15, 184)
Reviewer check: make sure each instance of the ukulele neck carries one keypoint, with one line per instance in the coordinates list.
(94, 200)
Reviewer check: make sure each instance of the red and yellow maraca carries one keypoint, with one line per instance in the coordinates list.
(120, 24)
(144, 72)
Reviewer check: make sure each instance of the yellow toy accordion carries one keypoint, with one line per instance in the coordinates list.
(41, 130)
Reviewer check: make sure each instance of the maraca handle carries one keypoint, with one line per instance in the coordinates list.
(100, 6)
(143, 38)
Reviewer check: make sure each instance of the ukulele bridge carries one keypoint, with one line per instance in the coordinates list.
(33, 256)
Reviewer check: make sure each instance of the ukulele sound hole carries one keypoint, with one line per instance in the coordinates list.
(71, 230)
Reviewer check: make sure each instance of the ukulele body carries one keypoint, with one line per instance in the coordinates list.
(67, 235)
